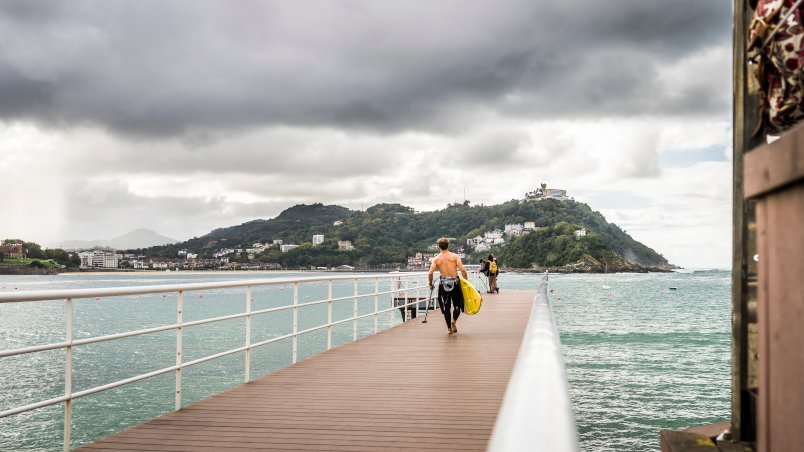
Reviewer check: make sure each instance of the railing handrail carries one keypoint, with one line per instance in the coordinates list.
(403, 285)
(536, 413)
(62, 294)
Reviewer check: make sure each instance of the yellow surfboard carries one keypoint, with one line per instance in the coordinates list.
(471, 298)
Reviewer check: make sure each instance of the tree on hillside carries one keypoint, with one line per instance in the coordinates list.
(33, 250)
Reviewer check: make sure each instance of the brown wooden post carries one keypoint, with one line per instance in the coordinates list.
(746, 117)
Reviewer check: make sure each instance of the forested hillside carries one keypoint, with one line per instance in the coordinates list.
(390, 233)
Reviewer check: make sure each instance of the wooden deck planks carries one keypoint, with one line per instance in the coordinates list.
(413, 387)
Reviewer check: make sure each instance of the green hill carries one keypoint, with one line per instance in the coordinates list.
(390, 233)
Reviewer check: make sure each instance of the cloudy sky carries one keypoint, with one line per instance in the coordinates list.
(184, 116)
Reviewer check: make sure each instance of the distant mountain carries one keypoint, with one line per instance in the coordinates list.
(139, 238)
(387, 234)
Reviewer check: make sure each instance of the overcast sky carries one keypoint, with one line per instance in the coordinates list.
(184, 116)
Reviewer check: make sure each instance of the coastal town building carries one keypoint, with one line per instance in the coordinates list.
(318, 239)
(474, 241)
(345, 245)
(288, 247)
(337, 223)
(529, 225)
(481, 247)
(278, 242)
(13, 250)
(514, 229)
(99, 259)
(580, 233)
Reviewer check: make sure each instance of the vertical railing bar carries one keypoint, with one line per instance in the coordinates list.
(179, 346)
(68, 372)
(329, 314)
(416, 309)
(376, 304)
(247, 372)
(354, 311)
(295, 321)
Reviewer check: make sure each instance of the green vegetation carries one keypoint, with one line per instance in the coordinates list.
(387, 234)
(555, 246)
(36, 263)
(40, 258)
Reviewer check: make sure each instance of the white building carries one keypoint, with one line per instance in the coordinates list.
(337, 223)
(474, 241)
(529, 225)
(254, 250)
(99, 259)
(278, 242)
(192, 255)
(580, 233)
(345, 245)
(288, 247)
(182, 252)
(493, 235)
(482, 247)
(318, 239)
(547, 193)
(514, 229)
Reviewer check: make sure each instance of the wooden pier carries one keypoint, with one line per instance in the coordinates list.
(412, 387)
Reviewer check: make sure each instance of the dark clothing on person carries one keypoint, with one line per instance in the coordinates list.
(484, 268)
(450, 297)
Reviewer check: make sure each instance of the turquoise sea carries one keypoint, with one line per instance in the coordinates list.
(639, 356)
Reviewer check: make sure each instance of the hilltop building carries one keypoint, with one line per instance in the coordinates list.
(318, 239)
(288, 247)
(345, 245)
(580, 233)
(543, 192)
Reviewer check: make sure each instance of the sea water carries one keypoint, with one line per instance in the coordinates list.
(639, 356)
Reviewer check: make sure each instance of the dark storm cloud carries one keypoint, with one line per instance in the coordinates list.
(158, 69)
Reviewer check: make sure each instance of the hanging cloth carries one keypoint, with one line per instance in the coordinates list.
(776, 35)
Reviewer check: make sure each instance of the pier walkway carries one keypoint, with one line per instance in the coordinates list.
(412, 387)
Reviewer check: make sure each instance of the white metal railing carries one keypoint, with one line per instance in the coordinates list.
(536, 413)
(400, 283)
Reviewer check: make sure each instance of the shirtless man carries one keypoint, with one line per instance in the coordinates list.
(449, 288)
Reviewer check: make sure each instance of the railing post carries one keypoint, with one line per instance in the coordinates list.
(376, 304)
(179, 309)
(247, 372)
(416, 306)
(295, 321)
(354, 312)
(329, 314)
(68, 372)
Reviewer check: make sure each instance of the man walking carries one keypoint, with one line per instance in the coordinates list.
(449, 288)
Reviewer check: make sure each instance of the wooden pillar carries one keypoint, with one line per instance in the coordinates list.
(745, 116)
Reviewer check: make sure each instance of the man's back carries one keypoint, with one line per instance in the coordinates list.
(447, 263)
